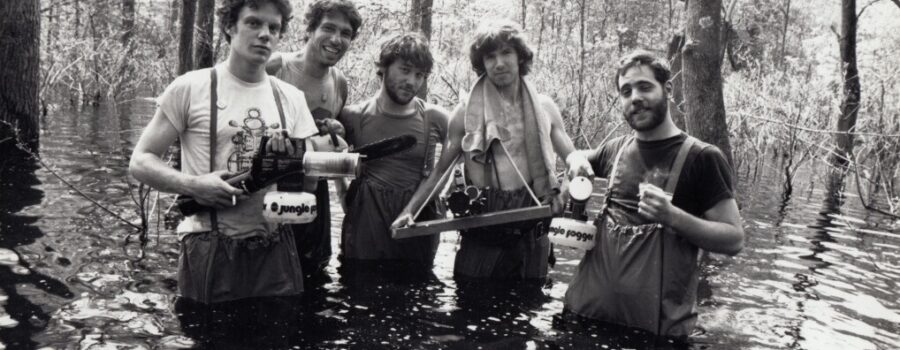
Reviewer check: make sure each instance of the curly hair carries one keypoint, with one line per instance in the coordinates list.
(491, 36)
(229, 12)
(658, 65)
(319, 9)
(410, 47)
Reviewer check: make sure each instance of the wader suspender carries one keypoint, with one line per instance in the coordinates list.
(427, 167)
(213, 131)
(671, 183)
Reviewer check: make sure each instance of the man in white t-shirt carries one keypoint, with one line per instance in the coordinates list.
(229, 252)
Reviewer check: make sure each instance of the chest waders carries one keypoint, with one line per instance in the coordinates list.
(641, 276)
(213, 136)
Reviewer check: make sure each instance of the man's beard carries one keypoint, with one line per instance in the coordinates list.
(392, 93)
(658, 113)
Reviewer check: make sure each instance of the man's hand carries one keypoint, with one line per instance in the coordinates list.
(211, 190)
(656, 205)
(324, 144)
(328, 125)
(405, 219)
(280, 143)
(556, 200)
(578, 165)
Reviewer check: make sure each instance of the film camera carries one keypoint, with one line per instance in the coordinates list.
(464, 200)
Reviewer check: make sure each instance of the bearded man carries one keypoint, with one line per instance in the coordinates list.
(375, 199)
(670, 196)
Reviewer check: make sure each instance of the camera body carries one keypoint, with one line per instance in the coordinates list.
(464, 200)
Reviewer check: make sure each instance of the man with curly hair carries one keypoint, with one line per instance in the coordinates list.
(504, 128)
(331, 26)
(229, 252)
(378, 195)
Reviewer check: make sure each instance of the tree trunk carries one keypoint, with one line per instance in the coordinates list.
(203, 48)
(701, 70)
(420, 21)
(174, 11)
(676, 101)
(186, 38)
(784, 29)
(524, 7)
(850, 102)
(20, 54)
(582, 52)
(127, 21)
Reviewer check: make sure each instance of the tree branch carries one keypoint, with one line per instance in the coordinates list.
(863, 9)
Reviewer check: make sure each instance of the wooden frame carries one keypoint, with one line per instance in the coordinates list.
(539, 211)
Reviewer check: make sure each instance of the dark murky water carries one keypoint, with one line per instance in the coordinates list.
(817, 272)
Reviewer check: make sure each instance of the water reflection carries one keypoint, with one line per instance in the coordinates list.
(816, 268)
(22, 315)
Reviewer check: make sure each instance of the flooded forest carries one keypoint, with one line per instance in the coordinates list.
(802, 97)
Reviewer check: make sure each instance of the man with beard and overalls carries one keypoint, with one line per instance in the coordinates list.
(375, 199)
(503, 128)
(331, 26)
(670, 196)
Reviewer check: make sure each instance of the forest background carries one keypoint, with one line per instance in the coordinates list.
(784, 78)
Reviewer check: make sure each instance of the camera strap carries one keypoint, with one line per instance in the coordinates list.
(213, 129)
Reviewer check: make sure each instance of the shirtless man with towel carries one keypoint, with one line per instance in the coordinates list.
(503, 108)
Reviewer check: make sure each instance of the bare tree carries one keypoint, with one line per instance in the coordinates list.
(420, 21)
(127, 21)
(676, 102)
(850, 102)
(784, 30)
(701, 70)
(186, 37)
(20, 54)
(203, 46)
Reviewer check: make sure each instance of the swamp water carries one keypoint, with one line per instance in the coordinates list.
(816, 272)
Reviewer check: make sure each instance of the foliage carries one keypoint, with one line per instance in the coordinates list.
(781, 99)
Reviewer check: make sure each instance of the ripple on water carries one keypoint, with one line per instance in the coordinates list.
(8, 257)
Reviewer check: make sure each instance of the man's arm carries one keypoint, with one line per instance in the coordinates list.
(562, 143)
(274, 63)
(147, 166)
(452, 148)
(719, 231)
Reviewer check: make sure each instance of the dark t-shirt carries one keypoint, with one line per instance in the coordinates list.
(705, 180)
(365, 123)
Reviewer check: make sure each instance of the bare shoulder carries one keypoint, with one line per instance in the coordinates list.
(273, 65)
(550, 107)
(457, 119)
(290, 91)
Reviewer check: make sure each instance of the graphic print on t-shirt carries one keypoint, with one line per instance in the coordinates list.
(246, 141)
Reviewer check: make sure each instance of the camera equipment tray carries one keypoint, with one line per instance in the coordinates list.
(539, 211)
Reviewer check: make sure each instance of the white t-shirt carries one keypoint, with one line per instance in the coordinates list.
(246, 112)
